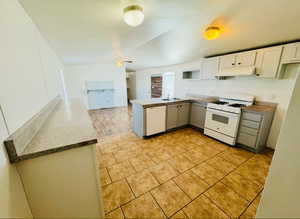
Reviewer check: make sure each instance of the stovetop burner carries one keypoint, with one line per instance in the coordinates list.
(237, 105)
(221, 102)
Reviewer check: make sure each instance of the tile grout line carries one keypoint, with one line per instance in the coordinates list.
(108, 176)
(123, 212)
(217, 206)
(251, 202)
(131, 189)
(158, 204)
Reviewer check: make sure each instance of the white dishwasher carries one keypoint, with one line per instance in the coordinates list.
(155, 120)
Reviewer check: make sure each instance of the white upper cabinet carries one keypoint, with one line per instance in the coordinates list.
(291, 53)
(242, 59)
(237, 64)
(267, 62)
(227, 61)
(209, 68)
(245, 59)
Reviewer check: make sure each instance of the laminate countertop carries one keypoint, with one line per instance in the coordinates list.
(69, 126)
(160, 102)
(261, 107)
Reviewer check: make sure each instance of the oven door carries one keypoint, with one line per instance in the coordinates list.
(222, 122)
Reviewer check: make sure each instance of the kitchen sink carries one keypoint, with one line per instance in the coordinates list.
(170, 99)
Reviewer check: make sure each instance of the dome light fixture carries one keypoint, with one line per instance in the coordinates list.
(120, 63)
(134, 15)
(212, 32)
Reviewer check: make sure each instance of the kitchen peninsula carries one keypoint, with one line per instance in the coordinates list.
(242, 122)
(58, 166)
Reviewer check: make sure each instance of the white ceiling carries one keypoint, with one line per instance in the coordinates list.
(93, 31)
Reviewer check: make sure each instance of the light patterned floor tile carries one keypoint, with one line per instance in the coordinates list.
(181, 163)
(170, 197)
(202, 207)
(226, 199)
(104, 177)
(195, 156)
(116, 194)
(160, 155)
(106, 160)
(141, 162)
(109, 148)
(209, 174)
(246, 188)
(207, 151)
(218, 146)
(255, 170)
(163, 172)
(222, 165)
(232, 158)
(191, 184)
(251, 210)
(142, 182)
(143, 207)
(120, 170)
(125, 154)
(116, 214)
(179, 215)
(196, 139)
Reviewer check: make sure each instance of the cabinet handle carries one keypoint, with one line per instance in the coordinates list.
(232, 64)
(239, 63)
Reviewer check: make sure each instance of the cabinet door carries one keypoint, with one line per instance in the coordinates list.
(183, 114)
(268, 61)
(291, 53)
(172, 116)
(227, 61)
(210, 68)
(155, 120)
(198, 114)
(246, 58)
(297, 52)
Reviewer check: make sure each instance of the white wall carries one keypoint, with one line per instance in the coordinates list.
(278, 91)
(29, 69)
(29, 79)
(281, 194)
(168, 84)
(75, 77)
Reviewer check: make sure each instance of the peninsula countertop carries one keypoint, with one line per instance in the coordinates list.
(69, 126)
(160, 102)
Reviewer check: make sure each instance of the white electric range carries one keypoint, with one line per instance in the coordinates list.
(223, 117)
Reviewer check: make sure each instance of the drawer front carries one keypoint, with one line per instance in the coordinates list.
(250, 124)
(252, 117)
(247, 140)
(249, 131)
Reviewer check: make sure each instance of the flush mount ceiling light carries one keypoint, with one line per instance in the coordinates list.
(212, 32)
(120, 63)
(133, 15)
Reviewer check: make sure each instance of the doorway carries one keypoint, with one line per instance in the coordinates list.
(156, 86)
(168, 85)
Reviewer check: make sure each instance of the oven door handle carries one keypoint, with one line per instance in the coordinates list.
(220, 112)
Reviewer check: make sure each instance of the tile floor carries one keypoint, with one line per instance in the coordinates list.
(180, 174)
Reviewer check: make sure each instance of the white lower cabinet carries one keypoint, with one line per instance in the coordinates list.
(198, 114)
(178, 115)
(155, 120)
(63, 185)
